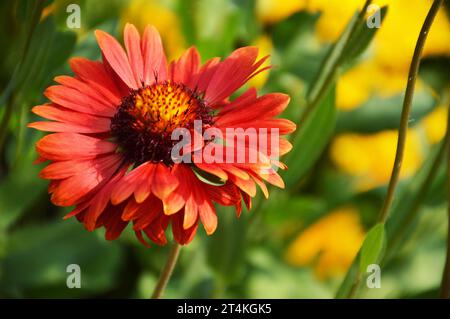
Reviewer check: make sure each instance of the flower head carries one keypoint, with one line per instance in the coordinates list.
(116, 151)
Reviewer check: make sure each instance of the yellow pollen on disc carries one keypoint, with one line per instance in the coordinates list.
(164, 107)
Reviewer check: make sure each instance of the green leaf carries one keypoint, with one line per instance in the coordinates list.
(372, 247)
(420, 190)
(361, 39)
(296, 47)
(207, 178)
(384, 113)
(49, 49)
(269, 277)
(332, 60)
(349, 279)
(37, 258)
(226, 249)
(311, 139)
(298, 210)
(22, 179)
(404, 213)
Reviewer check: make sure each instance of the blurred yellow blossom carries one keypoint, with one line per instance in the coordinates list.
(368, 79)
(435, 124)
(330, 244)
(395, 40)
(369, 157)
(144, 12)
(385, 70)
(272, 11)
(265, 46)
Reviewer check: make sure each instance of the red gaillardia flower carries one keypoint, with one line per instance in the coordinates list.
(112, 151)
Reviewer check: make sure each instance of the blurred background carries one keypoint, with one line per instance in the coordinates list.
(301, 242)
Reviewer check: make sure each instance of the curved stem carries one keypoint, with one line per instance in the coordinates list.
(167, 271)
(398, 235)
(409, 93)
(354, 288)
(445, 285)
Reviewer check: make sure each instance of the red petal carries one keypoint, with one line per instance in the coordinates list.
(248, 186)
(155, 63)
(58, 113)
(89, 90)
(181, 235)
(132, 41)
(231, 74)
(67, 146)
(73, 188)
(226, 195)
(206, 73)
(117, 58)
(265, 107)
(186, 68)
(141, 238)
(148, 211)
(65, 169)
(99, 202)
(144, 184)
(190, 213)
(283, 125)
(95, 74)
(284, 146)
(156, 230)
(113, 222)
(130, 211)
(77, 101)
(130, 182)
(208, 216)
(68, 127)
(241, 101)
(164, 182)
(173, 203)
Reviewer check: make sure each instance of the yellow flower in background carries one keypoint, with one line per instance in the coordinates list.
(265, 47)
(272, 11)
(435, 124)
(144, 12)
(385, 71)
(330, 244)
(368, 79)
(396, 39)
(369, 158)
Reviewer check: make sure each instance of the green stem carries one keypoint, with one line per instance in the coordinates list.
(8, 94)
(331, 66)
(355, 287)
(403, 130)
(423, 191)
(5, 121)
(167, 271)
(409, 93)
(445, 284)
